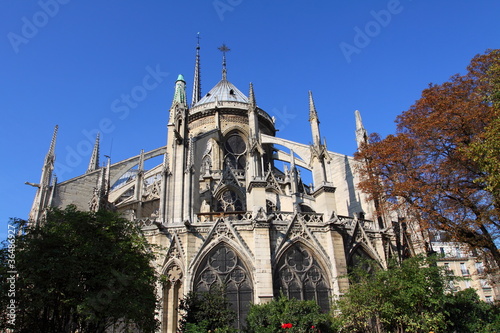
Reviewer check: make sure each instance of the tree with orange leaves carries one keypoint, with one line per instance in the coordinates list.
(433, 165)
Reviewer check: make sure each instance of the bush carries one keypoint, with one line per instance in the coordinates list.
(287, 315)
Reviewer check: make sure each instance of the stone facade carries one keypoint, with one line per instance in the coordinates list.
(225, 213)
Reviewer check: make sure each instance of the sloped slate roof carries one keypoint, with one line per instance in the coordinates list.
(223, 91)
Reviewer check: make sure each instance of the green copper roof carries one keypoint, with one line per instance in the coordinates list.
(180, 91)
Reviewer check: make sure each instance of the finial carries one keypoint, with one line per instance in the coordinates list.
(359, 121)
(361, 133)
(251, 96)
(50, 157)
(94, 158)
(224, 49)
(53, 141)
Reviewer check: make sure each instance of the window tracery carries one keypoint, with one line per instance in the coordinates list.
(223, 267)
(229, 201)
(235, 151)
(300, 276)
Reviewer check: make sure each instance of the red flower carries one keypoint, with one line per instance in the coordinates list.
(287, 325)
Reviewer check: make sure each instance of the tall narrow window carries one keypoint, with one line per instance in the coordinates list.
(463, 268)
(223, 267)
(172, 291)
(300, 276)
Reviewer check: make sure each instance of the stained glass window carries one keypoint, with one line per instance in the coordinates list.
(222, 266)
(235, 151)
(300, 276)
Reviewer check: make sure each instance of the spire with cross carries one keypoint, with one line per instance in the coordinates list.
(197, 76)
(224, 49)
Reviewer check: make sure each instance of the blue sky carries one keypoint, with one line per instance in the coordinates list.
(70, 63)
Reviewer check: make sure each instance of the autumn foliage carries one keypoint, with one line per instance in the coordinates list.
(434, 166)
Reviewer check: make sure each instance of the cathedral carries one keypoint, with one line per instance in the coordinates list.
(228, 204)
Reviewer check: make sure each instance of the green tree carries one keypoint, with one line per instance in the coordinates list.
(407, 297)
(206, 311)
(430, 166)
(82, 272)
(413, 296)
(467, 314)
(287, 315)
(485, 150)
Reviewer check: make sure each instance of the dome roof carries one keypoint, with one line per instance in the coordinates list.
(223, 91)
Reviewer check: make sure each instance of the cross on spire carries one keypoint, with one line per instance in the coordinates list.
(198, 38)
(224, 49)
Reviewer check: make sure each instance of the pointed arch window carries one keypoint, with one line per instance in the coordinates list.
(229, 201)
(223, 267)
(360, 258)
(235, 151)
(206, 165)
(299, 275)
(172, 291)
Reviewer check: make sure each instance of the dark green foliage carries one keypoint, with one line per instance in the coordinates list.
(467, 314)
(304, 316)
(206, 311)
(85, 272)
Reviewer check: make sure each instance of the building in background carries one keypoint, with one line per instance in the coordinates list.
(459, 261)
(229, 202)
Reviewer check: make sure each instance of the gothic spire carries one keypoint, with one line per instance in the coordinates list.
(361, 134)
(224, 49)
(44, 193)
(197, 76)
(251, 97)
(253, 121)
(51, 153)
(94, 158)
(313, 115)
(314, 121)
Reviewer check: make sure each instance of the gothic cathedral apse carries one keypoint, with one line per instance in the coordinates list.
(229, 206)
